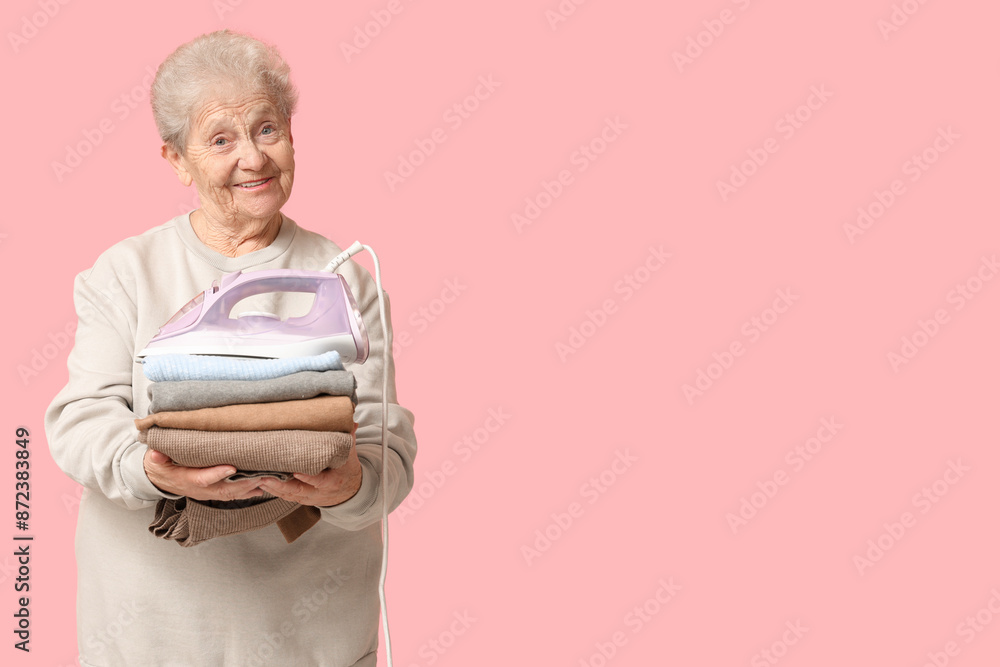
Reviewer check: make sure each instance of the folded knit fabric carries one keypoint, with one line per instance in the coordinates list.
(196, 394)
(323, 413)
(287, 451)
(190, 522)
(170, 367)
(302, 519)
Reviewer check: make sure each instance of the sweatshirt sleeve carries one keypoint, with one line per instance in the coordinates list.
(365, 508)
(89, 424)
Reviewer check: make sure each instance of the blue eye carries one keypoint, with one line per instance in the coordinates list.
(219, 142)
(267, 130)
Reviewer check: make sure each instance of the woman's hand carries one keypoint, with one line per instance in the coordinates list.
(197, 483)
(330, 487)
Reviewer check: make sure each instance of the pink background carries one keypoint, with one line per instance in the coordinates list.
(463, 546)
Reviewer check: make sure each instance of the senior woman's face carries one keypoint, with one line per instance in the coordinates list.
(239, 155)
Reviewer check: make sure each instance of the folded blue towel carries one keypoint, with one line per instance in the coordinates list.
(169, 367)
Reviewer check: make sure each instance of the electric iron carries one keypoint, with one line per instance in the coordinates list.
(204, 325)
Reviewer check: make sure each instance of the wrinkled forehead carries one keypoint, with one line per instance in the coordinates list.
(227, 105)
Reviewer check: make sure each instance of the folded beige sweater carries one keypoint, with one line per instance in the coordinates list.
(323, 413)
(284, 451)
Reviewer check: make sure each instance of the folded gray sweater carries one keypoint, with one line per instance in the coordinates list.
(197, 394)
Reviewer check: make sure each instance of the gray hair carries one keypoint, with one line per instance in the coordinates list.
(198, 68)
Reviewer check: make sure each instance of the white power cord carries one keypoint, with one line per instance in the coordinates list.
(354, 249)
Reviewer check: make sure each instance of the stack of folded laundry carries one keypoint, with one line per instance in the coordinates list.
(265, 417)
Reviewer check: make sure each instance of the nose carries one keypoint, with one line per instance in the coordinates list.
(252, 157)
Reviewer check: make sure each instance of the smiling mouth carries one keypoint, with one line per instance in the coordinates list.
(254, 184)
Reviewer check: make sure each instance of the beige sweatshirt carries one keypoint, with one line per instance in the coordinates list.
(236, 601)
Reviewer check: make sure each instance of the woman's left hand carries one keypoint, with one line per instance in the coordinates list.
(330, 487)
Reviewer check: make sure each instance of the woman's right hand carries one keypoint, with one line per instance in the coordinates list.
(197, 483)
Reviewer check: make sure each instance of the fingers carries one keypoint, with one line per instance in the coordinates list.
(159, 458)
(290, 490)
(311, 480)
(212, 481)
(205, 477)
(330, 487)
(235, 490)
(200, 487)
(201, 477)
(197, 483)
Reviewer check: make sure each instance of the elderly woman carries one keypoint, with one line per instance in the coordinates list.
(223, 105)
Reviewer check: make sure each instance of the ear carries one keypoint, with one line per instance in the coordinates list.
(177, 162)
